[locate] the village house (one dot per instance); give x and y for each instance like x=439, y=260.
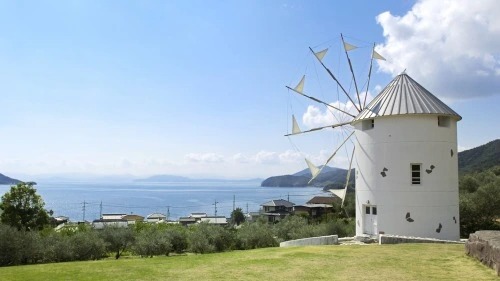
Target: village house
x=317, y=206
x=276, y=210
x=156, y=217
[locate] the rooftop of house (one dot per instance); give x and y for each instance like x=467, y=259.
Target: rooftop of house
x=279, y=202
x=156, y=216
x=324, y=200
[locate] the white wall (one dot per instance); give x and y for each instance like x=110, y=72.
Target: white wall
x=394, y=143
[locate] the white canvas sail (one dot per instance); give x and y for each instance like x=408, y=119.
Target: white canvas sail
x=300, y=87
x=295, y=126
x=348, y=47
x=339, y=193
x=377, y=56
x=321, y=54
x=314, y=170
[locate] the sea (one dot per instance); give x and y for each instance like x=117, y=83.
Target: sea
x=88, y=200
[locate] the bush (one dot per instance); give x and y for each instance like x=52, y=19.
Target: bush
x=255, y=235
x=207, y=238
x=87, y=245
x=10, y=246
x=153, y=241
x=117, y=239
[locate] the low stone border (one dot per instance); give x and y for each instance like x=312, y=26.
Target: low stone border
x=485, y=246
x=321, y=240
x=396, y=239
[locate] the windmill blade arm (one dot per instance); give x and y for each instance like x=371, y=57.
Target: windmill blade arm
x=330, y=158
x=348, y=177
x=319, y=128
x=322, y=102
x=337, y=81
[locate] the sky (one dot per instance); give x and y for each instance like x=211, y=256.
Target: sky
x=197, y=88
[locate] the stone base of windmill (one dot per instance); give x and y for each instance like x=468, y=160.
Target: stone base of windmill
x=398, y=239
x=484, y=245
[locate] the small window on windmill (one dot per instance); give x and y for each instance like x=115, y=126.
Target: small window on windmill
x=368, y=124
x=443, y=121
x=415, y=173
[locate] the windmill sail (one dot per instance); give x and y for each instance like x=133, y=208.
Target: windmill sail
x=339, y=193
x=300, y=87
x=314, y=170
x=330, y=158
x=377, y=56
x=348, y=47
x=321, y=54
x=295, y=126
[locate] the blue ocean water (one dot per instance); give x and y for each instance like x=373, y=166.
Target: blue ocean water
x=179, y=199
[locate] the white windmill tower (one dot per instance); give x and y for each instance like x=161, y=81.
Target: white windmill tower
x=405, y=144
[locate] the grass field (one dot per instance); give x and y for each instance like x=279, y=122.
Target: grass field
x=354, y=262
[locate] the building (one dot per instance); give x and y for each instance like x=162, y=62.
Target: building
x=317, y=206
x=407, y=168
x=220, y=220
x=156, y=217
x=132, y=219
x=276, y=210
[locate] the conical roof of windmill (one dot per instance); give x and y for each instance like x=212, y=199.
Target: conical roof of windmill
x=404, y=96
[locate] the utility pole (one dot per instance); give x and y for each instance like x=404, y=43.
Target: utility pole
x=234, y=201
x=100, y=210
x=168, y=212
x=288, y=199
x=215, y=204
x=83, y=209
x=247, y=207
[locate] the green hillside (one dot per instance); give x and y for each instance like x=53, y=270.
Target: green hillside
x=480, y=158
x=368, y=262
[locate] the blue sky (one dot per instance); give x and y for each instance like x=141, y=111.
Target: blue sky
x=196, y=88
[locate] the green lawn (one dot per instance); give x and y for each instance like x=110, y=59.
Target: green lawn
x=371, y=262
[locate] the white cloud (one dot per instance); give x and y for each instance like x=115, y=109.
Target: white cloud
x=451, y=47
x=204, y=157
x=241, y=158
x=291, y=156
x=266, y=157
x=315, y=117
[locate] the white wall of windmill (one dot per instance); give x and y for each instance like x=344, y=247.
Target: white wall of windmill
x=391, y=147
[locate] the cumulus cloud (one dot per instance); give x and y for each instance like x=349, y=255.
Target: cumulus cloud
x=241, y=158
x=204, y=157
x=291, y=156
x=315, y=117
x=451, y=47
x=266, y=157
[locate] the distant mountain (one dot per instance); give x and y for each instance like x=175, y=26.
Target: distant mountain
x=6, y=180
x=331, y=177
x=480, y=158
x=180, y=179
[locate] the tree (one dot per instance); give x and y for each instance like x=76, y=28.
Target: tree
x=23, y=208
x=237, y=216
x=117, y=239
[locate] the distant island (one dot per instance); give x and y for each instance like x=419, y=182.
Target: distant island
x=4, y=180
x=180, y=179
x=330, y=178
x=476, y=159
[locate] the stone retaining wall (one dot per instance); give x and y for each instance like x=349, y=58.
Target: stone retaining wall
x=321, y=240
x=485, y=246
x=395, y=239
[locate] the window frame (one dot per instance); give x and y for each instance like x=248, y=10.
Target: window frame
x=416, y=179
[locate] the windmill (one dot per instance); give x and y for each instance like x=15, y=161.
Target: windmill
x=358, y=104
x=405, y=144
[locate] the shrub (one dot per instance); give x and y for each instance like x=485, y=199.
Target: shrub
x=207, y=238
x=153, y=241
x=255, y=235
